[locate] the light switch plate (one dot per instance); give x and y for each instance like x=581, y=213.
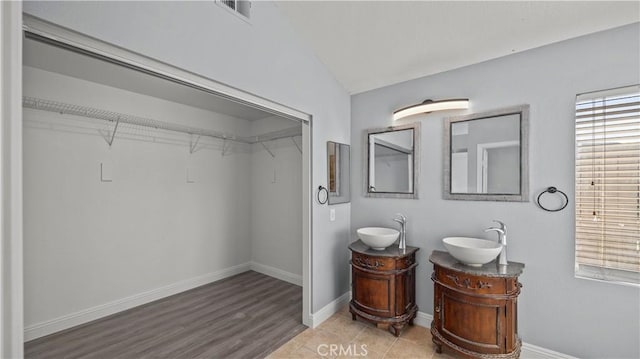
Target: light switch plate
x=106, y=171
x=332, y=214
x=192, y=175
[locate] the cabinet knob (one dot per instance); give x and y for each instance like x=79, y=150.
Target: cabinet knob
x=438, y=309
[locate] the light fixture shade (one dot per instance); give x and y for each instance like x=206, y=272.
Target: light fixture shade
x=430, y=106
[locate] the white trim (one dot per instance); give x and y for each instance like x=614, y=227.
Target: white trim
x=423, y=319
x=528, y=351
x=11, y=258
x=276, y=273
x=307, y=223
x=87, y=43
x=330, y=309
x=86, y=315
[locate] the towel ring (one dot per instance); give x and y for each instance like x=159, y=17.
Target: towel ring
x=326, y=197
x=553, y=190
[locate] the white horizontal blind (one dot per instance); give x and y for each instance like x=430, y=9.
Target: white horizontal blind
x=608, y=185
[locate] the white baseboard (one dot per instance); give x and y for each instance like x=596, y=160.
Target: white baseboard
x=423, y=319
x=84, y=316
x=330, y=309
x=528, y=351
x=276, y=273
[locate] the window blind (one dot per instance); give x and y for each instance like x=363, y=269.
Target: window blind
x=608, y=185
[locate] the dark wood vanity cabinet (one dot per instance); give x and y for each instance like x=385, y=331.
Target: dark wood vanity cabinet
x=383, y=285
x=475, y=309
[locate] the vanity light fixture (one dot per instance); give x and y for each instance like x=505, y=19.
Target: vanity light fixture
x=429, y=106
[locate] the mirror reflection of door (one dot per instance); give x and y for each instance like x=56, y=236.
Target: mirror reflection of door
x=391, y=161
x=496, y=162
x=485, y=155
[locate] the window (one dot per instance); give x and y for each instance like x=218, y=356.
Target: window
x=608, y=185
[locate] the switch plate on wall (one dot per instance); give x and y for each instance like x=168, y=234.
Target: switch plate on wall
x=106, y=171
x=332, y=214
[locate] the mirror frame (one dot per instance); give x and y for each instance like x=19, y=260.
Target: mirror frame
x=523, y=196
x=346, y=197
x=416, y=161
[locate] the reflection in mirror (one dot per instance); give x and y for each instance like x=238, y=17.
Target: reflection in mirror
x=338, y=159
x=391, y=162
x=486, y=156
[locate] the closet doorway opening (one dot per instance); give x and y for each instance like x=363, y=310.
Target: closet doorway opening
x=148, y=185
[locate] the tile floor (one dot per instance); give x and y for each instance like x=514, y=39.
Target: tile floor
x=414, y=342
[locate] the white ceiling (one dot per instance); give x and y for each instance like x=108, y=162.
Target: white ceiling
x=55, y=59
x=371, y=44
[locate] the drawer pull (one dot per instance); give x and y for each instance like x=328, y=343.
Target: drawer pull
x=367, y=263
x=466, y=283
x=438, y=309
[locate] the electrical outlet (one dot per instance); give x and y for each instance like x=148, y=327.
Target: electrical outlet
x=332, y=214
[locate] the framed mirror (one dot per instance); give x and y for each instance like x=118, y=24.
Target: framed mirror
x=486, y=156
x=392, y=165
x=338, y=167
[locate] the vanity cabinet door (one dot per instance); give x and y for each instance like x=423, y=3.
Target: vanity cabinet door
x=470, y=322
x=373, y=293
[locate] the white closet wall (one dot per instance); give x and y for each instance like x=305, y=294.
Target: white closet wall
x=89, y=244
x=276, y=197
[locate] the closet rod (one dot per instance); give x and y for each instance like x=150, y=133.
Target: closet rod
x=111, y=116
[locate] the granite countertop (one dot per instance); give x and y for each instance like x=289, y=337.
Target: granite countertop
x=491, y=269
x=391, y=251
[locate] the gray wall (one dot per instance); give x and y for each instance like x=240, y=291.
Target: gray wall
x=556, y=311
x=264, y=57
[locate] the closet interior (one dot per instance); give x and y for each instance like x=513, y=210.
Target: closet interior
x=136, y=186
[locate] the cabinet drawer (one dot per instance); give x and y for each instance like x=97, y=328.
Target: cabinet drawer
x=406, y=262
x=372, y=262
x=470, y=283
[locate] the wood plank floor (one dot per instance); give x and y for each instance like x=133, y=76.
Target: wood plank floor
x=245, y=316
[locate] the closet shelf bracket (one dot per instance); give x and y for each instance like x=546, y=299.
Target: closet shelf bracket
x=194, y=144
x=225, y=146
x=267, y=149
x=296, y=143
x=113, y=133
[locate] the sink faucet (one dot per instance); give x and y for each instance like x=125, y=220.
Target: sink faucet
x=502, y=239
x=402, y=245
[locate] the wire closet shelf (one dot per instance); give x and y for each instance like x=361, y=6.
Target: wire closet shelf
x=116, y=118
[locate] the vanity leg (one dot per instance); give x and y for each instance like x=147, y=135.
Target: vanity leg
x=438, y=345
x=395, y=329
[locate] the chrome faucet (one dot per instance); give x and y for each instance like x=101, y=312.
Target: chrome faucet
x=402, y=245
x=502, y=239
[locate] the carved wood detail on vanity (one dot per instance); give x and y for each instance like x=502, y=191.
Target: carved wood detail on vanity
x=466, y=283
x=367, y=262
x=383, y=285
x=475, y=308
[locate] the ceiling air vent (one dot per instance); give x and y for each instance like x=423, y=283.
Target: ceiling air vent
x=240, y=7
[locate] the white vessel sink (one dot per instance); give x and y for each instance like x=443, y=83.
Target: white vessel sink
x=472, y=251
x=378, y=238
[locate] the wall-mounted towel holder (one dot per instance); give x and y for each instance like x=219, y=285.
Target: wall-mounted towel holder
x=553, y=190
